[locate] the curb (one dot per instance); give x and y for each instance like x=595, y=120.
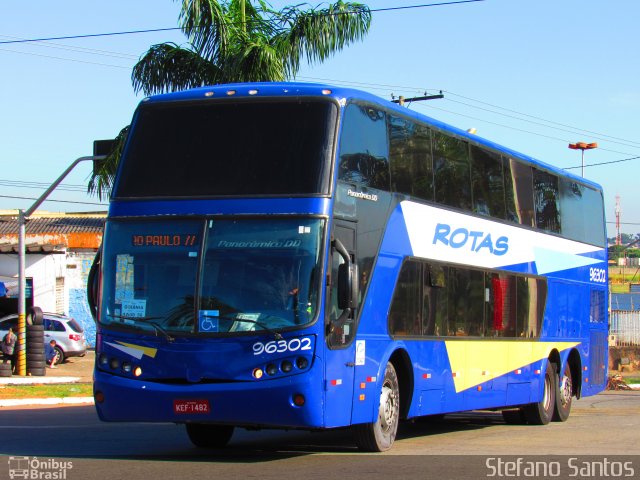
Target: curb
x=46, y=401
x=17, y=380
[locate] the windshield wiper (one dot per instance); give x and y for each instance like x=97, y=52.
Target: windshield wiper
x=275, y=334
x=145, y=321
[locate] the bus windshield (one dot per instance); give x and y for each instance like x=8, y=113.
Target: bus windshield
x=229, y=149
x=255, y=274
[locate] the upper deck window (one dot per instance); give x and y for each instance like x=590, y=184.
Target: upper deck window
x=222, y=148
x=364, y=149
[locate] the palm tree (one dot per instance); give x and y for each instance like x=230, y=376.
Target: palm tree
x=240, y=41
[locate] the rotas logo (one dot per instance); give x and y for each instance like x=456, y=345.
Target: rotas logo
x=472, y=240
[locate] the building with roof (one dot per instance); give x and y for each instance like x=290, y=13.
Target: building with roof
x=60, y=248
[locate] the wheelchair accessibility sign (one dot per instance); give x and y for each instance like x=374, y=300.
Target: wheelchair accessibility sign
x=208, y=321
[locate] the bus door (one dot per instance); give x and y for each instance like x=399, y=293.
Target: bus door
x=340, y=326
x=596, y=371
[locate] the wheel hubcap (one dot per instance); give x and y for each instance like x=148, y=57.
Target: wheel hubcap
x=388, y=408
x=565, y=391
x=546, y=400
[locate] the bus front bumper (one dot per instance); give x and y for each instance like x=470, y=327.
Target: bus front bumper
x=267, y=403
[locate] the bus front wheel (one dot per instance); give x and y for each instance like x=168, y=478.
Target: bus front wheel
x=209, y=436
x=380, y=435
x=541, y=413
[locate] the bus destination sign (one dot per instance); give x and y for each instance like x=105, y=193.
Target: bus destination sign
x=175, y=240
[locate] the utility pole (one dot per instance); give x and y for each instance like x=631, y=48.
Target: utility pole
x=23, y=215
x=402, y=100
x=582, y=146
x=618, y=215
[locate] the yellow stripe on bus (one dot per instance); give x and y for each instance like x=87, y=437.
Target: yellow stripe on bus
x=477, y=361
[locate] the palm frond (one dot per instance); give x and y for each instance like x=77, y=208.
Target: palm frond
x=167, y=67
x=257, y=61
x=101, y=181
x=206, y=25
x=319, y=33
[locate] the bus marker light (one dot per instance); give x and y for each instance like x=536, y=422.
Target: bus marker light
x=104, y=360
x=126, y=367
x=371, y=379
x=271, y=369
x=257, y=373
x=518, y=372
x=253, y=92
x=485, y=373
x=326, y=92
x=114, y=363
x=208, y=94
x=362, y=397
x=137, y=371
x=98, y=396
x=336, y=382
x=286, y=366
x=363, y=385
x=586, y=380
x=537, y=372
x=479, y=388
x=231, y=92
x=455, y=374
x=302, y=363
x=586, y=368
x=426, y=376
x=298, y=400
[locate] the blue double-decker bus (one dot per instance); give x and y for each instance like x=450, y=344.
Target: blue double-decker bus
x=301, y=256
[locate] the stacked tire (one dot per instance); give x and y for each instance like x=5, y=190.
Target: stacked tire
x=36, y=361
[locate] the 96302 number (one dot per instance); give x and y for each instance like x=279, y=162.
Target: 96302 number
x=281, y=346
x=598, y=275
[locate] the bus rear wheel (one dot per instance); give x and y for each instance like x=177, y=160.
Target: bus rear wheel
x=380, y=435
x=209, y=436
x=541, y=413
x=564, y=394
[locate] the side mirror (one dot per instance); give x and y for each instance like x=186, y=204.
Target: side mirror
x=93, y=285
x=347, y=279
x=347, y=285
x=102, y=149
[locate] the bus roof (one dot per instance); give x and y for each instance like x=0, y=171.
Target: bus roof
x=342, y=95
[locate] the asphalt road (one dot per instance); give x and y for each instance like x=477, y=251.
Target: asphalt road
x=603, y=427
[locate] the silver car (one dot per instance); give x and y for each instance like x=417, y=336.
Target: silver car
x=68, y=334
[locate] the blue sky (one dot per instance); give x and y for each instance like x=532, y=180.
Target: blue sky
x=533, y=75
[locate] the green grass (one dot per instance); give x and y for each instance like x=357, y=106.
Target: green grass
x=632, y=380
x=46, y=391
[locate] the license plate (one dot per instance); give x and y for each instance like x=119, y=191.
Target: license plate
x=191, y=406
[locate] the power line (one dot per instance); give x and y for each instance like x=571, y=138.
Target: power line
x=89, y=35
x=155, y=30
x=41, y=185
x=386, y=87
x=573, y=130
x=52, y=200
x=73, y=48
x=604, y=163
x=539, y=118
x=62, y=58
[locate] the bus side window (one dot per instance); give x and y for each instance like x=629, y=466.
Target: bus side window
x=364, y=148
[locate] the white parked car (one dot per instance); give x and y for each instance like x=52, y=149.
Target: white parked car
x=68, y=334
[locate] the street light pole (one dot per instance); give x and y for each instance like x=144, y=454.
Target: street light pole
x=21, y=357
x=582, y=146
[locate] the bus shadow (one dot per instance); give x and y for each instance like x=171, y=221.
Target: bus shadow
x=90, y=439
x=450, y=423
